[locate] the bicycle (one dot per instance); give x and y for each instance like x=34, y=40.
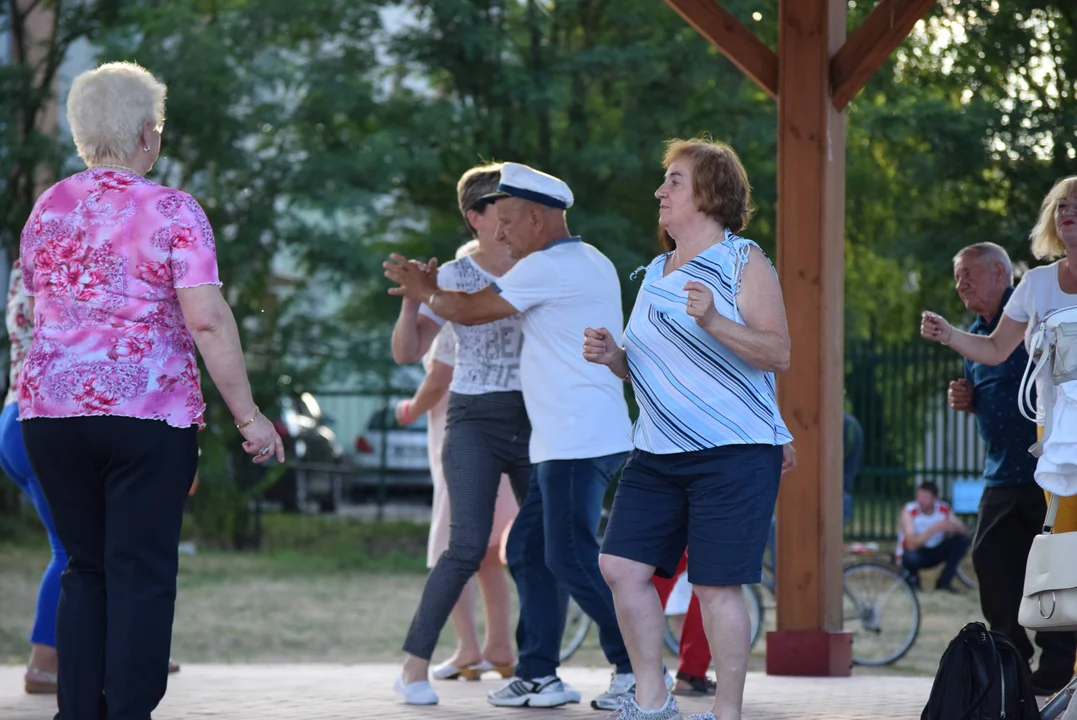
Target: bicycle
x=879, y=607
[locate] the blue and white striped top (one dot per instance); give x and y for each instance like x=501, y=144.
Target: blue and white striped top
x=693, y=392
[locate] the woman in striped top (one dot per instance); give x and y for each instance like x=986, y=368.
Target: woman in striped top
x=704, y=340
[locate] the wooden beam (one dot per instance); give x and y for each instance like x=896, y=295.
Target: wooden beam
x=754, y=58
x=810, y=220
x=871, y=44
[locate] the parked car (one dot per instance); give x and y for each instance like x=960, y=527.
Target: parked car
x=391, y=454
x=319, y=472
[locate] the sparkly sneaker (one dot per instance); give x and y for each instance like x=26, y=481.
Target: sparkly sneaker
x=704, y=716
x=630, y=710
x=546, y=692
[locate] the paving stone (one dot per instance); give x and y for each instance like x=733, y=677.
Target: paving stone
x=354, y=692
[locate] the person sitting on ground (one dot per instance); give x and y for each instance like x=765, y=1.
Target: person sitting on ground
x=930, y=536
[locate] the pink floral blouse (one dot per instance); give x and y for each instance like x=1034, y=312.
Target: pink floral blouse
x=102, y=254
x=19, y=330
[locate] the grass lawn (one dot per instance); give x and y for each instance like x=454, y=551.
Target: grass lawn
x=329, y=590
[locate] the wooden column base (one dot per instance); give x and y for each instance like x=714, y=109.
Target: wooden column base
x=809, y=653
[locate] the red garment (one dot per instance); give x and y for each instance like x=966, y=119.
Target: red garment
x=695, y=650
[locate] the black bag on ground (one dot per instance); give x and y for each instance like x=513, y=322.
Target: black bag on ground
x=981, y=676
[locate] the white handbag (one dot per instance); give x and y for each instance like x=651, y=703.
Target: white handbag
x=1049, y=600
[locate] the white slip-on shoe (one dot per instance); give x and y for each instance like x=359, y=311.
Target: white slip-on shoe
x=416, y=693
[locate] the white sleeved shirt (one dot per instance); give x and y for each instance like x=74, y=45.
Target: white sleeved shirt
x=487, y=356
x=1037, y=295
x=577, y=409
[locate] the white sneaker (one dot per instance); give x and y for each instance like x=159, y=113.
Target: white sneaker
x=416, y=693
x=572, y=695
x=545, y=692
x=623, y=685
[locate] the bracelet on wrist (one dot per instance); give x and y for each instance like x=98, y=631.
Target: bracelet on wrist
x=254, y=416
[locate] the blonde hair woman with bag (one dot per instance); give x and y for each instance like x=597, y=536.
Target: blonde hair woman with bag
x=1041, y=291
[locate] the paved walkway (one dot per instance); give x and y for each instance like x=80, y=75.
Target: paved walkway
x=324, y=692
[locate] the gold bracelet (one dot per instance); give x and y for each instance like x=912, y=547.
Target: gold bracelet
x=430, y=300
x=249, y=422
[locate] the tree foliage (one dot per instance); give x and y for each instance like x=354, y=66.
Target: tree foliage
x=320, y=136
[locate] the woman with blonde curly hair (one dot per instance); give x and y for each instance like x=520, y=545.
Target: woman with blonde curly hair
x=1041, y=291
x=122, y=285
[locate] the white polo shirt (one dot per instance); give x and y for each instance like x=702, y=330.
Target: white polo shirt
x=577, y=409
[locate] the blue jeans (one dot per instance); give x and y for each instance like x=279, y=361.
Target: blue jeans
x=16, y=466
x=553, y=547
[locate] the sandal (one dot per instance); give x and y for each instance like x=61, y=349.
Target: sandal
x=698, y=686
x=39, y=682
x=448, y=671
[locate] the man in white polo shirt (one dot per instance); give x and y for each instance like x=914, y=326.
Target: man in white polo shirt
x=580, y=426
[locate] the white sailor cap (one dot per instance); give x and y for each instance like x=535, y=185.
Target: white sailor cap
x=527, y=183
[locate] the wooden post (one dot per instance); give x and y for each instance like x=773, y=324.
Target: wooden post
x=811, y=205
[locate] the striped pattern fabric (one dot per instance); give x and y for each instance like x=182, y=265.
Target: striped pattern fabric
x=693, y=392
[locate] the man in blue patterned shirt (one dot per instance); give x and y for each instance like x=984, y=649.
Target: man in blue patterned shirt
x=1013, y=507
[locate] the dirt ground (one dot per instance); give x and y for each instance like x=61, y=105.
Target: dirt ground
x=251, y=608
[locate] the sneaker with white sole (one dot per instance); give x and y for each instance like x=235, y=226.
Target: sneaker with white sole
x=545, y=692
x=572, y=695
x=623, y=685
x=416, y=693
x=632, y=711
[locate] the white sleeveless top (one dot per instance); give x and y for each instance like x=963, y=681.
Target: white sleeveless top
x=693, y=392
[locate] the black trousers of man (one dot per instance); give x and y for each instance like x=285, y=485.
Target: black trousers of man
x=1010, y=518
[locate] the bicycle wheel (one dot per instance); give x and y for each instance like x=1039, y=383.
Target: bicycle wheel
x=577, y=623
x=756, y=614
x=966, y=572
x=881, y=611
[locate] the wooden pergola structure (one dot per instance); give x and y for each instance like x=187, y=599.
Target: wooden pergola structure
x=813, y=75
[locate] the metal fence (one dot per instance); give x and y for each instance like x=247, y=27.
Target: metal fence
x=897, y=392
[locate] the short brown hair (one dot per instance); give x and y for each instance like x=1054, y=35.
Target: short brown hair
x=1046, y=245
x=473, y=185
x=719, y=182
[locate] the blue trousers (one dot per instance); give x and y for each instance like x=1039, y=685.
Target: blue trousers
x=553, y=547
x=16, y=466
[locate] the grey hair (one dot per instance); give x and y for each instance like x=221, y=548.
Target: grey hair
x=108, y=107
x=988, y=251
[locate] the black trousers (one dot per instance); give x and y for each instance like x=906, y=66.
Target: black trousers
x=116, y=487
x=1010, y=517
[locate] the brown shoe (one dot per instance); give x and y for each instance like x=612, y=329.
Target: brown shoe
x=173, y=667
x=697, y=686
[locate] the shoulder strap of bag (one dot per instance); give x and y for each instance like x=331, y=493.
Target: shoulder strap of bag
x=1028, y=379
x=985, y=675
x=1052, y=513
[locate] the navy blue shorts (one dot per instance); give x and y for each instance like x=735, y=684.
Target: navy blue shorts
x=717, y=502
